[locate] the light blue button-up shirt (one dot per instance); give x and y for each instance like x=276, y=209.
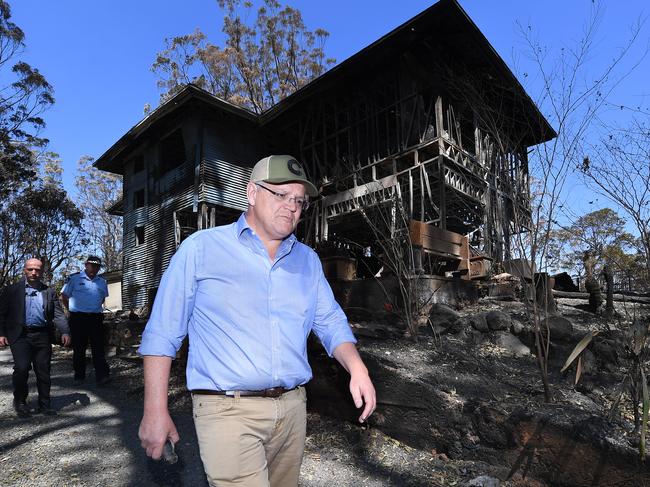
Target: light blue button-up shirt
x=248, y=318
x=34, y=314
x=86, y=295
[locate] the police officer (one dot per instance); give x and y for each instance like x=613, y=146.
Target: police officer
x=83, y=295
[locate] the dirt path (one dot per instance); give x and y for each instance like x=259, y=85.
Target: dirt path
x=93, y=439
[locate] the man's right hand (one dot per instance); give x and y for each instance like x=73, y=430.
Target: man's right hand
x=4, y=342
x=154, y=431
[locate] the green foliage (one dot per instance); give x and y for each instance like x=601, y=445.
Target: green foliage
x=51, y=225
x=261, y=62
x=602, y=234
x=24, y=95
x=36, y=219
x=39, y=221
x=97, y=191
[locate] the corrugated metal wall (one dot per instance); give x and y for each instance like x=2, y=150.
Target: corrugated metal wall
x=224, y=184
x=229, y=152
x=230, y=149
x=165, y=193
x=144, y=264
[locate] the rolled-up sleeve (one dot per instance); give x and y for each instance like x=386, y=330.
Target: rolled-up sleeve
x=173, y=306
x=67, y=287
x=330, y=323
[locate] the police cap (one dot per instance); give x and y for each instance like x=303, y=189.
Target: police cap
x=93, y=259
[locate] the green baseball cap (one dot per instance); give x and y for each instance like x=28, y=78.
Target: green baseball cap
x=280, y=170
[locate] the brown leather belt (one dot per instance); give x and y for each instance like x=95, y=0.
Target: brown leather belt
x=273, y=392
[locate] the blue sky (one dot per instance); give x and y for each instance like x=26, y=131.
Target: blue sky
x=97, y=54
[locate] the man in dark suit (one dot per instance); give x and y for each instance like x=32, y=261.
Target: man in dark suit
x=29, y=311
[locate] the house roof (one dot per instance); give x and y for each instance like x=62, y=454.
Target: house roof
x=117, y=208
x=454, y=32
x=109, y=160
x=112, y=276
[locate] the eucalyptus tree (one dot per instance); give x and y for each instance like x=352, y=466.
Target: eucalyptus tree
x=24, y=95
x=260, y=62
x=96, y=192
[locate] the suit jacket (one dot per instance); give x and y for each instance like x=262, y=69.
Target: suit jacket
x=12, y=311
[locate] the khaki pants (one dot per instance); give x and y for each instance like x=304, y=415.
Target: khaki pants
x=251, y=441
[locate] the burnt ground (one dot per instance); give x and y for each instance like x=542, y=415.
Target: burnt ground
x=456, y=408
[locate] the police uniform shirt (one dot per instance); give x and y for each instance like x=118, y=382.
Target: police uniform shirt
x=86, y=295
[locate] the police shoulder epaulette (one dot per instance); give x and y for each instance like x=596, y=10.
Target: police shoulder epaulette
x=73, y=274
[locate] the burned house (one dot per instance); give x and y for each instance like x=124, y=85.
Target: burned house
x=427, y=125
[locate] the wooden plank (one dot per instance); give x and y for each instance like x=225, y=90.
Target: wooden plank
x=436, y=240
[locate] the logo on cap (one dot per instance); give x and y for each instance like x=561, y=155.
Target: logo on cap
x=93, y=259
x=294, y=167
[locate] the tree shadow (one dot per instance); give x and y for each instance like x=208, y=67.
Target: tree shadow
x=94, y=436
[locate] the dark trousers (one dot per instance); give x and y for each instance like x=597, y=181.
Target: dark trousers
x=32, y=349
x=86, y=327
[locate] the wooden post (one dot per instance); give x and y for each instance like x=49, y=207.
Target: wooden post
x=442, y=194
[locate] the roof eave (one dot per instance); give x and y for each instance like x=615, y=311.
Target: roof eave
x=107, y=161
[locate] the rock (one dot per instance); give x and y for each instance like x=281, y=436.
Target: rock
x=559, y=352
x=442, y=315
x=512, y=344
x=498, y=320
x=439, y=330
x=561, y=328
x=375, y=330
x=624, y=338
x=585, y=386
x=517, y=328
x=484, y=481
x=462, y=324
x=478, y=322
x=469, y=334
x=589, y=365
x=606, y=351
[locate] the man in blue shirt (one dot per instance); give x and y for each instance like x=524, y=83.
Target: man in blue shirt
x=29, y=311
x=83, y=295
x=248, y=294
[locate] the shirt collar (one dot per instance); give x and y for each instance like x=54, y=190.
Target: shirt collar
x=37, y=287
x=85, y=276
x=242, y=225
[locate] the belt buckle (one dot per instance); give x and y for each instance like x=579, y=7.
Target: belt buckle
x=274, y=392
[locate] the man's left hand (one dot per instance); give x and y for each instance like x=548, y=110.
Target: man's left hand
x=65, y=340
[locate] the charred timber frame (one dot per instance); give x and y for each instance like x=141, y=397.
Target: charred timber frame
x=365, y=146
